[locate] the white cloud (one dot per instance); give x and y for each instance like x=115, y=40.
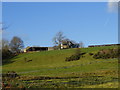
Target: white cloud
x=113, y=5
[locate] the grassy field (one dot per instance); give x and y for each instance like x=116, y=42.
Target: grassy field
x=48, y=69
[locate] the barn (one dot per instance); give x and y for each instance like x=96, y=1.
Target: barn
x=28, y=49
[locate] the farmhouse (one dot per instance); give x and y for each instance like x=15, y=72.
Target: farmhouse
x=69, y=44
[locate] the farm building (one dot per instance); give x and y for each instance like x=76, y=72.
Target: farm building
x=103, y=45
x=36, y=49
x=28, y=49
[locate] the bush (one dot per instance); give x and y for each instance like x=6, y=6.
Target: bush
x=6, y=54
x=91, y=54
x=106, y=54
x=75, y=56
x=72, y=58
x=10, y=74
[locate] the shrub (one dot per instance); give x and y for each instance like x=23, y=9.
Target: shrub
x=72, y=58
x=106, y=54
x=10, y=74
x=78, y=54
x=6, y=54
x=91, y=54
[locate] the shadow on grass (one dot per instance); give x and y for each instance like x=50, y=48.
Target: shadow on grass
x=9, y=60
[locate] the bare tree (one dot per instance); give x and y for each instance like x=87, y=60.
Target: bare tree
x=5, y=43
x=81, y=45
x=59, y=37
x=16, y=44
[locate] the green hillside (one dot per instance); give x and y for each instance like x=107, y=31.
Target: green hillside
x=86, y=72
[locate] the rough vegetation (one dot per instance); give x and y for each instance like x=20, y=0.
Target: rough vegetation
x=78, y=54
x=107, y=53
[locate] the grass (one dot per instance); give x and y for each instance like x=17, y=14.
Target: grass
x=52, y=64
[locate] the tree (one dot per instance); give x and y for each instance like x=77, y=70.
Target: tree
x=6, y=53
x=59, y=37
x=5, y=44
x=81, y=45
x=16, y=44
